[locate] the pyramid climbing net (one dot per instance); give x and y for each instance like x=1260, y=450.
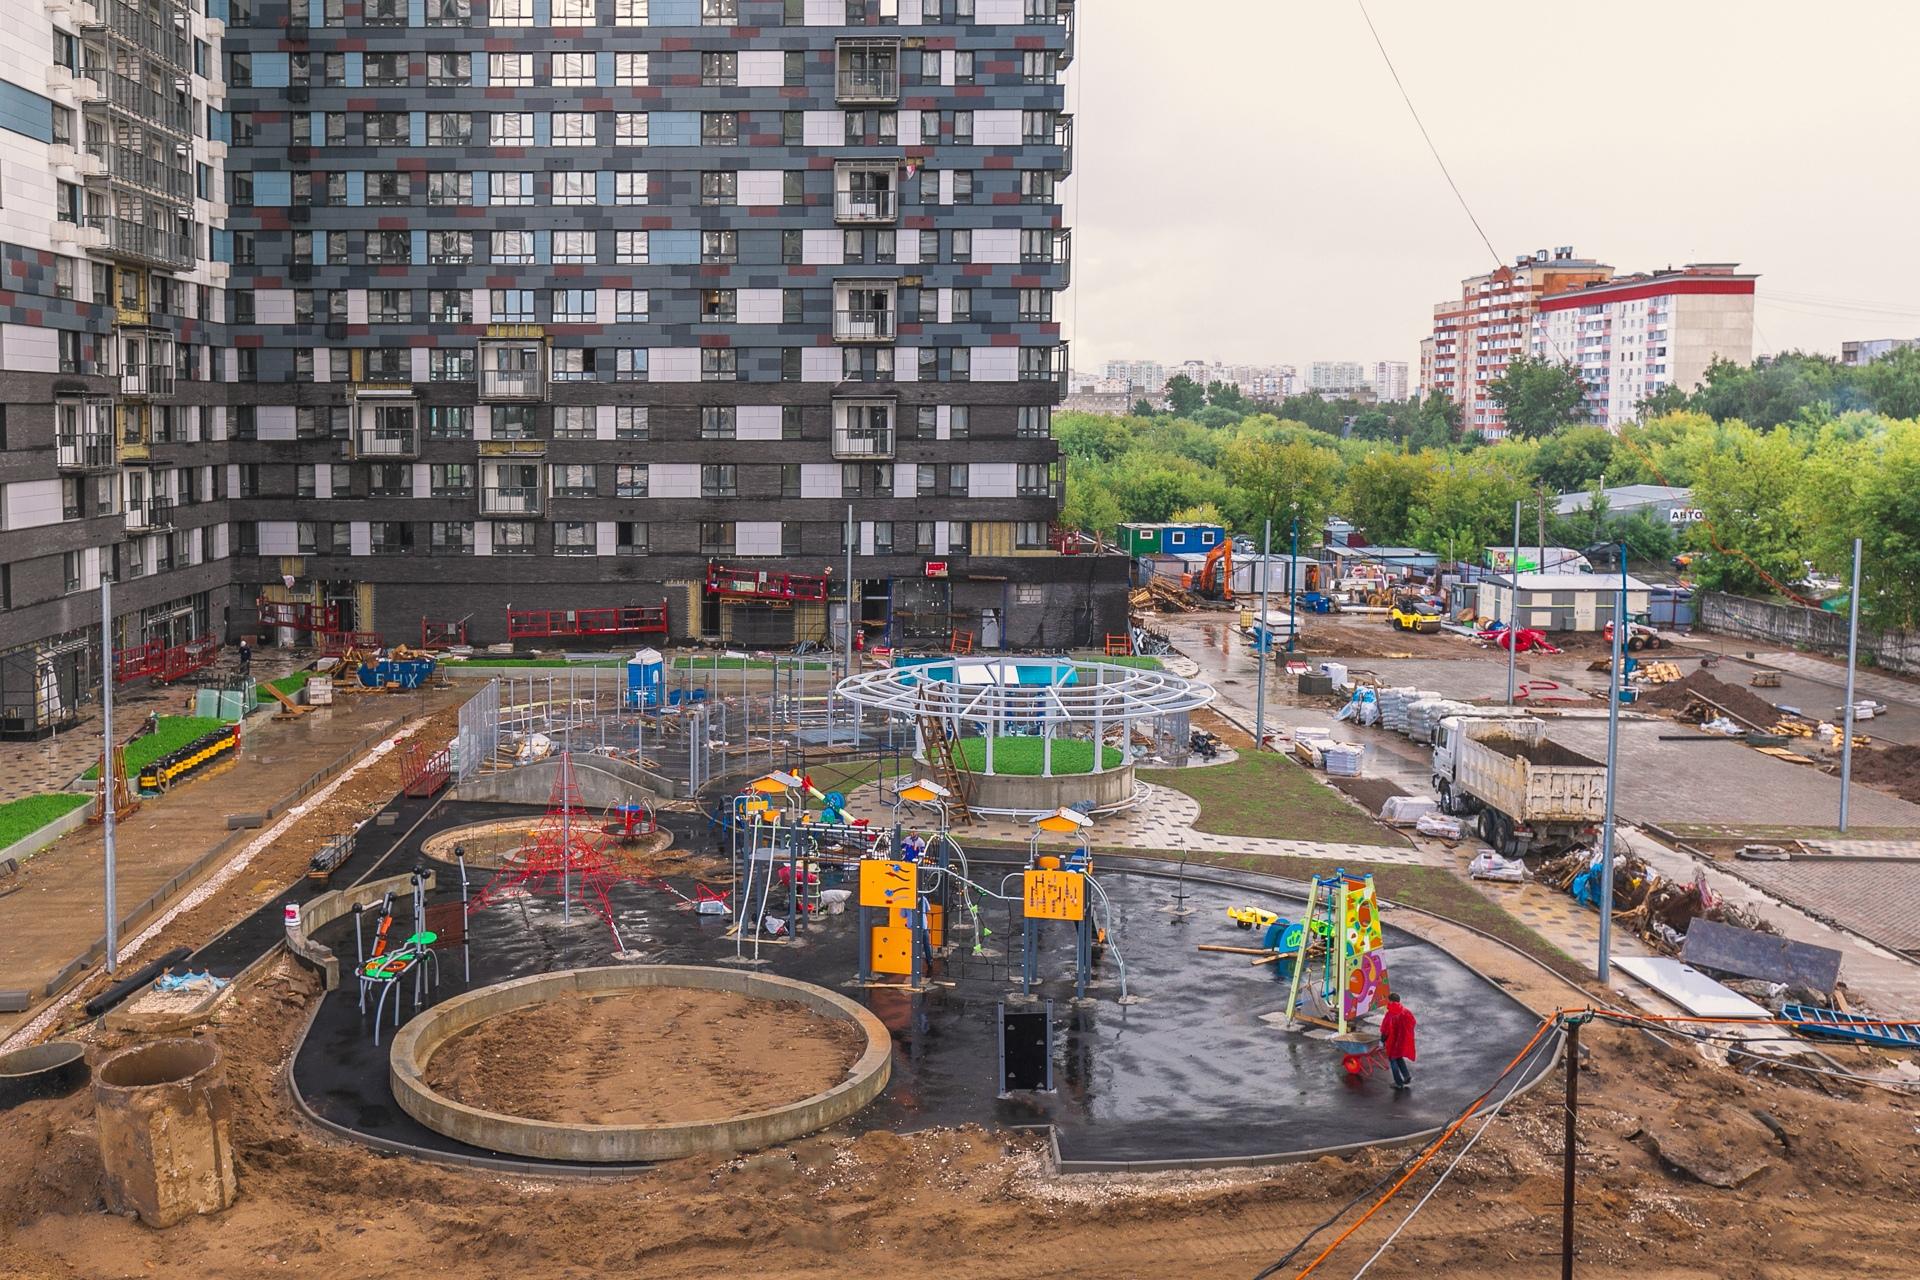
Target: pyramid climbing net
x=565, y=857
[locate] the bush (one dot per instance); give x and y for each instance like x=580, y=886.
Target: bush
x=1022, y=756
x=172, y=733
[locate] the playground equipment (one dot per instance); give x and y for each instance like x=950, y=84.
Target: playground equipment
x=387, y=965
x=1341, y=929
x=1056, y=889
x=631, y=820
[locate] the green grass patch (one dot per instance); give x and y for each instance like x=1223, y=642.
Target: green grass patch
x=1141, y=661
x=1270, y=796
x=21, y=818
x=172, y=733
x=289, y=685
x=693, y=662
x=1022, y=756
x=531, y=662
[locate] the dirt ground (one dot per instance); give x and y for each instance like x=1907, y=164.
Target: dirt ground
x=1731, y=697
x=1895, y=769
x=1686, y=1170
x=602, y=1061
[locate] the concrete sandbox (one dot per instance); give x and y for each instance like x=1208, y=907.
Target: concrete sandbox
x=628, y=1144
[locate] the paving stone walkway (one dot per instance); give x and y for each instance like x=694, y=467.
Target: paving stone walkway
x=1164, y=820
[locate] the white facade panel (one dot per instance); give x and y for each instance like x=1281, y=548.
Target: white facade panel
x=993, y=13
x=819, y=364
x=825, y=128
x=273, y=306
x=275, y=422
x=822, y=246
x=819, y=479
x=757, y=422
x=359, y=538
x=759, y=306
x=603, y=422
x=674, y=364
x=996, y=244
x=356, y=306
x=996, y=364
x=673, y=480
x=762, y=69
x=756, y=538
x=280, y=538
x=996, y=128
x=29, y=348
x=31, y=504
x=760, y=187
x=604, y=532
x=993, y=480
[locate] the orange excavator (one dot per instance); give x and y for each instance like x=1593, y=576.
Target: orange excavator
x=1215, y=579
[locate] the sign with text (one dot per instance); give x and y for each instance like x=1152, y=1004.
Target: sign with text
x=1056, y=895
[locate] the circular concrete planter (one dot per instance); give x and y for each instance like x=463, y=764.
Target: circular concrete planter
x=629, y=1144
x=1024, y=793
x=51, y=1070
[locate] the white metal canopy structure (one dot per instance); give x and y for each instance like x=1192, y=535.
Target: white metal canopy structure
x=1045, y=698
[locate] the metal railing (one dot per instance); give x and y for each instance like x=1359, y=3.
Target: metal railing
x=84, y=453
x=138, y=240
x=512, y=500
x=871, y=85
x=510, y=384
x=166, y=42
x=146, y=171
x=865, y=206
x=160, y=513
x=377, y=442
x=850, y=443
x=151, y=105
x=863, y=325
x=147, y=380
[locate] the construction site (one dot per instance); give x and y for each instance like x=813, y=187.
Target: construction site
x=429, y=961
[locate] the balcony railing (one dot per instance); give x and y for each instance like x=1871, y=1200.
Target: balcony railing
x=145, y=171
x=511, y=500
x=865, y=206
x=386, y=442
x=138, y=240
x=873, y=84
x=1063, y=139
x=84, y=453
x=510, y=384
x=853, y=444
x=863, y=325
x=152, y=106
x=169, y=43
x=160, y=513
x=147, y=380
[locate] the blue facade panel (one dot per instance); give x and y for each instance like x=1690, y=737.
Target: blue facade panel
x=219, y=125
x=416, y=128
x=542, y=129
x=673, y=128
x=543, y=245
x=481, y=186
x=356, y=187
x=603, y=67
x=356, y=69
x=270, y=70
x=25, y=112
x=542, y=13
x=603, y=187
x=675, y=13
x=416, y=13
x=678, y=247
x=273, y=190
x=419, y=245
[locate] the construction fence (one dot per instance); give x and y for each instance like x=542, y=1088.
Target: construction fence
x=1796, y=627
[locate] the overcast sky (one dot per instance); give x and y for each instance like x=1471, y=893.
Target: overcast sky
x=1249, y=185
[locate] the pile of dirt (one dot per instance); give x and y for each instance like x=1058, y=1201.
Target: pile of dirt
x=1730, y=697
x=658, y=1055
x=1894, y=768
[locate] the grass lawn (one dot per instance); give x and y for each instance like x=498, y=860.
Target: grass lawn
x=458, y=665
x=1021, y=756
x=1269, y=795
x=289, y=685
x=693, y=662
x=173, y=733
x=21, y=818
x=1142, y=661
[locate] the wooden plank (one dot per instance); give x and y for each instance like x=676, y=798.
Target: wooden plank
x=1235, y=951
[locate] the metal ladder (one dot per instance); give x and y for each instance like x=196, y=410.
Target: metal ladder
x=949, y=766
x=1813, y=1020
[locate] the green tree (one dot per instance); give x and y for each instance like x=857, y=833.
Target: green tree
x=1383, y=489
x=1374, y=425
x=1746, y=491
x=1227, y=396
x=1574, y=458
x=1537, y=396
x=1094, y=436
x=1184, y=396
x=1216, y=416
x=1282, y=482
x=1202, y=513
x=1143, y=408
x=1892, y=383
x=1090, y=503
x=1467, y=507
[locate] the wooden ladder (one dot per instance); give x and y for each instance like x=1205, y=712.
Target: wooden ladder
x=949, y=766
x=113, y=783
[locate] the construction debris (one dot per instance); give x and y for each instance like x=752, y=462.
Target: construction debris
x=1157, y=594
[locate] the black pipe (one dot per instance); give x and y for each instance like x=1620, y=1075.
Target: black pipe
x=119, y=991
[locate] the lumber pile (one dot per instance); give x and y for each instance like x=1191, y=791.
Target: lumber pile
x=1163, y=596
x=1657, y=673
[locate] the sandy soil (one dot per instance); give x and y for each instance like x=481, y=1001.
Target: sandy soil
x=1686, y=1170
x=603, y=1061
x=1895, y=769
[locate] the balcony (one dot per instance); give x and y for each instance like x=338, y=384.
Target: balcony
x=160, y=513
x=1063, y=139
x=138, y=240
x=387, y=439
x=147, y=380
x=84, y=453
x=166, y=41
x=865, y=206
x=512, y=500
x=867, y=71
x=512, y=370
x=863, y=430
x=151, y=105
x=148, y=172
x=863, y=324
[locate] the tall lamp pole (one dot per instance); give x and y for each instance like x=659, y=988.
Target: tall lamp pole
x=1263, y=636
x=107, y=788
x=1613, y=757
x=1513, y=601
x=1293, y=579
x=1853, y=649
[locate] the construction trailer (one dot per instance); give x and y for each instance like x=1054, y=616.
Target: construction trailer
x=1559, y=601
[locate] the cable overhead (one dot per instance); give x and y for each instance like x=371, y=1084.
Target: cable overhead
x=1421, y=125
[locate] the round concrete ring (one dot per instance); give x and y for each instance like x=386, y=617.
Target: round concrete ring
x=630, y=1144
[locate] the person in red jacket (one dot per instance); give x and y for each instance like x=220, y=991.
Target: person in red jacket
x=1396, y=1036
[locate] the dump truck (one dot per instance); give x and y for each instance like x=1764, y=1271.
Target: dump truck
x=1532, y=795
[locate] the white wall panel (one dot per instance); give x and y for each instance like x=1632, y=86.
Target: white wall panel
x=761, y=187
x=757, y=422
x=756, y=538
x=673, y=480
x=30, y=348
x=996, y=364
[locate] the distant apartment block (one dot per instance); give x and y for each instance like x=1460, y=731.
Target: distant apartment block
x=1337, y=376
x=1633, y=336
x=1390, y=380
x=1489, y=323
x=1867, y=350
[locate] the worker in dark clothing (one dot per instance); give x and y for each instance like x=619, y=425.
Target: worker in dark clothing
x=1396, y=1036
x=246, y=657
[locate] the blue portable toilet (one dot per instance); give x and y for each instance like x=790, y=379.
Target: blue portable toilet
x=646, y=677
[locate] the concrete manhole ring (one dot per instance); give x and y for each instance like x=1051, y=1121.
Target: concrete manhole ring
x=630, y=1144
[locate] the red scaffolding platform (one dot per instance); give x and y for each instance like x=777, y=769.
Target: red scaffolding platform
x=297, y=615
x=546, y=624
x=336, y=644
x=763, y=584
x=142, y=660
x=185, y=659
x=436, y=633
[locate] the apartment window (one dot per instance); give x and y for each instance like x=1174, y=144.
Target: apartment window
x=507, y=129
x=574, y=188
x=957, y=422
x=960, y=364
x=450, y=538
x=573, y=129
x=963, y=186
x=449, y=306
x=1036, y=127
x=1030, y=535
x=513, y=537
x=790, y=364
x=790, y=480
x=333, y=129
x=449, y=422
x=573, y=422
x=630, y=422
x=510, y=13
x=718, y=306
x=511, y=188
x=1031, y=480
x=511, y=306
x=630, y=128
x=718, y=364
x=929, y=246
x=455, y=128
x=573, y=364
x=717, y=480
x=513, y=422
x=575, y=480
x=303, y=480
x=385, y=13
x=630, y=480
x=793, y=128
x=929, y=305
x=793, y=306
x=963, y=127
x=930, y=66
x=573, y=538
x=390, y=306
x=630, y=539
x=1036, y=186
x=573, y=69
x=719, y=13
x=240, y=306
x=449, y=68
x=449, y=188
x=629, y=305
x=1036, y=364
x=962, y=246
x=793, y=247
x=630, y=68
x=1036, y=245
x=719, y=128
x=385, y=70
x=719, y=188
x=962, y=306
x=719, y=246
x=450, y=364
x=573, y=306
x=575, y=247
x=629, y=13
x=882, y=537
x=630, y=188
x=716, y=537
x=513, y=246
x=630, y=364
x=719, y=68
x=450, y=479
x=1036, y=304
x=717, y=422
x=1035, y=423
x=389, y=188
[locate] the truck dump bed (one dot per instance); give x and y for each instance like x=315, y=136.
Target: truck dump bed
x=1529, y=777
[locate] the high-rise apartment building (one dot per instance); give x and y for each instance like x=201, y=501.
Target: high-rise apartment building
x=1866, y=350
x=1337, y=376
x=1390, y=380
x=1632, y=336
x=112, y=348
x=1147, y=375
x=425, y=308
x=1476, y=334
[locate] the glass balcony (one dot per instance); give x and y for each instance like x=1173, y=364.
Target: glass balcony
x=865, y=206
x=863, y=325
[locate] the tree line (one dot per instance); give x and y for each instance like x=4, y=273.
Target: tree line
x=1789, y=459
